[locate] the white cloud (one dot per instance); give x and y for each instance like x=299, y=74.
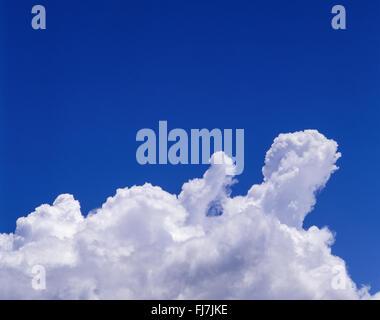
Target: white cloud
x=147, y=243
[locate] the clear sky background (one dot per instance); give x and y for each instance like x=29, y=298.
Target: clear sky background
x=73, y=97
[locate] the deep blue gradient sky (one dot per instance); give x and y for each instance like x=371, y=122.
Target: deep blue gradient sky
x=73, y=97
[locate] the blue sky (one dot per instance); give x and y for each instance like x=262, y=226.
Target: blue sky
x=73, y=97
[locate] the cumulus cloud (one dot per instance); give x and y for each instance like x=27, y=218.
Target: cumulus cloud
x=145, y=243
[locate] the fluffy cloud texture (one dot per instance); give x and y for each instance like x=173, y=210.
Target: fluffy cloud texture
x=145, y=243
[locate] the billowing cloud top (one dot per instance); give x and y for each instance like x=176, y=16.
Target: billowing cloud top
x=145, y=243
